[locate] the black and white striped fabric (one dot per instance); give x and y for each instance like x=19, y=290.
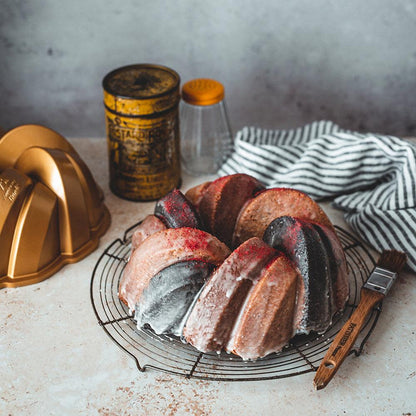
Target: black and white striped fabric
x=372, y=178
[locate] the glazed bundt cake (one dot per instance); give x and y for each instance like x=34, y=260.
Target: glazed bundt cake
x=236, y=267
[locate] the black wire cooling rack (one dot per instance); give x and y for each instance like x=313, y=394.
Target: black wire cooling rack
x=170, y=354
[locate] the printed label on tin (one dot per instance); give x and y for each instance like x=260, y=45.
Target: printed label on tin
x=144, y=159
x=141, y=151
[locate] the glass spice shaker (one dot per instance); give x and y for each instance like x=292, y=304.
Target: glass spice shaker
x=206, y=138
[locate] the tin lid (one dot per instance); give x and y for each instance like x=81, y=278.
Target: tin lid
x=141, y=89
x=203, y=91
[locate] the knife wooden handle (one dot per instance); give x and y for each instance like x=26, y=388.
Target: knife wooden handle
x=345, y=338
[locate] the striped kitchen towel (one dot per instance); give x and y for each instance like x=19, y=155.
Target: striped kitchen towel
x=371, y=177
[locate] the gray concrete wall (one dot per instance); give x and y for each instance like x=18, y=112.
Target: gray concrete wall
x=283, y=63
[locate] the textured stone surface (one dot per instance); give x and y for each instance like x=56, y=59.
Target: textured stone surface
x=282, y=63
x=57, y=360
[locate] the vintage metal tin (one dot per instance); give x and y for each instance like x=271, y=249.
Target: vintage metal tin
x=141, y=108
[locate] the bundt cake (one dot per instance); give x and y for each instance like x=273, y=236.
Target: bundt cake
x=286, y=275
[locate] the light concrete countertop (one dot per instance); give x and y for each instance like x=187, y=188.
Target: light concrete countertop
x=56, y=360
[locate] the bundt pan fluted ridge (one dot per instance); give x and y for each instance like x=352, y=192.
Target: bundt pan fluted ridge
x=51, y=209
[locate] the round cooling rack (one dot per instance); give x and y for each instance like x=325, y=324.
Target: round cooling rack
x=170, y=354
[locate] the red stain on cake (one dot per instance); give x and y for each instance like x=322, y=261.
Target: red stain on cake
x=163, y=249
x=176, y=211
x=179, y=210
x=194, y=245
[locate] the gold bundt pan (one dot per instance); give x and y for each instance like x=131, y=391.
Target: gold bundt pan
x=51, y=209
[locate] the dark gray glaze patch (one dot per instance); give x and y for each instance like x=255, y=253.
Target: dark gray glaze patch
x=176, y=211
x=303, y=245
x=165, y=302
